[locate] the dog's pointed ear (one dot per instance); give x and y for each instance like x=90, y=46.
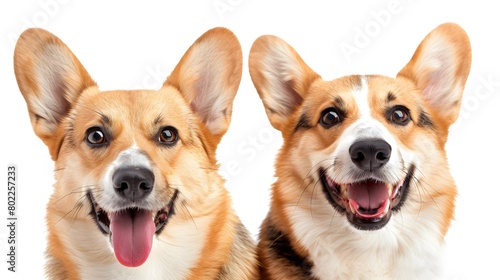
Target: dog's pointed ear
x=280, y=76
x=50, y=78
x=208, y=76
x=439, y=68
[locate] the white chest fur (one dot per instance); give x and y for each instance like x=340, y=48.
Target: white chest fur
x=408, y=247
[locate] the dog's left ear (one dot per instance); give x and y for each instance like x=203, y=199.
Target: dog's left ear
x=440, y=67
x=208, y=76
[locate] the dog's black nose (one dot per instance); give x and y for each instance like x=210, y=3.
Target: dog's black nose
x=133, y=183
x=370, y=154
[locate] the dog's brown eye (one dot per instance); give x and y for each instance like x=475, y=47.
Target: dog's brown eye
x=399, y=115
x=168, y=135
x=96, y=137
x=330, y=117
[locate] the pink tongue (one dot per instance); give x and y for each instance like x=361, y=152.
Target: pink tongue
x=368, y=194
x=132, y=234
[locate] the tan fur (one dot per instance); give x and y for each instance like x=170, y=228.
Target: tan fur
x=279, y=73
x=63, y=102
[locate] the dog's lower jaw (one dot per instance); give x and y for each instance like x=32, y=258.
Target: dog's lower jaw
x=131, y=230
x=102, y=219
x=391, y=199
x=77, y=250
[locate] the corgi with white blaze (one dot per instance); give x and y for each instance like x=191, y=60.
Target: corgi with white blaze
x=363, y=187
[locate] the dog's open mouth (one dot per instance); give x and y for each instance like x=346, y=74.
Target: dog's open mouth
x=368, y=204
x=131, y=230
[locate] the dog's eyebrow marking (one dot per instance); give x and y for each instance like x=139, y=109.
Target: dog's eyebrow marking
x=158, y=120
x=70, y=129
x=390, y=96
x=105, y=119
x=303, y=123
x=424, y=120
x=339, y=102
x=340, y=105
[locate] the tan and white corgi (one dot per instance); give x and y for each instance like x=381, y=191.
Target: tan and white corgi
x=363, y=187
x=137, y=192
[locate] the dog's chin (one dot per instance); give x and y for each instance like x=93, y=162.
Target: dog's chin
x=369, y=203
x=131, y=230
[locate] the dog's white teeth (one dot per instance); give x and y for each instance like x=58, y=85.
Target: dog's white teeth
x=390, y=189
x=395, y=191
x=104, y=226
x=352, y=208
x=343, y=189
x=386, y=210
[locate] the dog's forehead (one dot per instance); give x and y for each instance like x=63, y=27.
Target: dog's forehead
x=361, y=95
x=364, y=94
x=373, y=93
x=133, y=106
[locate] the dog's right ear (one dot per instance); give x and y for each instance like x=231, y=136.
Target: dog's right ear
x=50, y=79
x=280, y=76
x=208, y=77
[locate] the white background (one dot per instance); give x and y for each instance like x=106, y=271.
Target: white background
x=127, y=45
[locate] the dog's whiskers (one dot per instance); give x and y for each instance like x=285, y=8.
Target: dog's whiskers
x=189, y=213
x=318, y=181
x=76, y=209
x=313, y=170
x=158, y=237
x=74, y=191
x=210, y=168
x=79, y=204
x=424, y=186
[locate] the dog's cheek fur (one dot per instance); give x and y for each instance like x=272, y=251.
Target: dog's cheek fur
x=68, y=200
x=437, y=187
x=203, y=195
x=422, y=142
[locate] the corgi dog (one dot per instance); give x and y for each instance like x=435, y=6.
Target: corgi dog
x=363, y=187
x=137, y=192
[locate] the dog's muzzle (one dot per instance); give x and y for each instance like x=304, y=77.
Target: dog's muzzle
x=368, y=202
x=131, y=229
